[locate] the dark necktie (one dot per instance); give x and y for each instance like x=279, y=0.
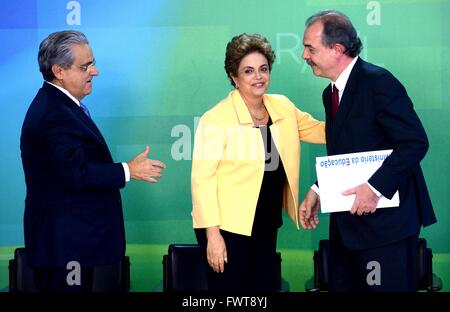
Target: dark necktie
x=85, y=109
x=334, y=101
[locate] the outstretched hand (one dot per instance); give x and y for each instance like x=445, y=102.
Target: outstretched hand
x=145, y=169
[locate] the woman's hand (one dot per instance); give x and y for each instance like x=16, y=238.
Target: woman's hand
x=216, y=251
x=309, y=211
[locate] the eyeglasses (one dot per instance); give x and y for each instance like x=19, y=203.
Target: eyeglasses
x=87, y=66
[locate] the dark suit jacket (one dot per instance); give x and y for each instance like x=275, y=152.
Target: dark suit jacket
x=375, y=113
x=73, y=209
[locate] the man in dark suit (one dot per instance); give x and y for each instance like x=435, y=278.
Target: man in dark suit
x=370, y=249
x=73, y=217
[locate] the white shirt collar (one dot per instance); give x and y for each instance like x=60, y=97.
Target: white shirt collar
x=65, y=92
x=341, y=81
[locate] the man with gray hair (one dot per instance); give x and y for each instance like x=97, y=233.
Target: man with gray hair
x=73, y=209
x=368, y=109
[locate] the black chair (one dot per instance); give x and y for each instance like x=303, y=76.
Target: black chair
x=428, y=281
x=21, y=276
x=184, y=269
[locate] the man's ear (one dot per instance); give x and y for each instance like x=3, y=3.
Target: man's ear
x=339, y=48
x=57, y=71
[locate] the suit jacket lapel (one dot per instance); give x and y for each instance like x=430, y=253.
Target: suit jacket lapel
x=88, y=122
x=346, y=102
x=245, y=118
x=85, y=120
x=277, y=124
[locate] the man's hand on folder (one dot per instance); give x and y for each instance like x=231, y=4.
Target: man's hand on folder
x=365, y=201
x=309, y=210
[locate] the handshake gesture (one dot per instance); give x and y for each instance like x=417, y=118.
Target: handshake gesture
x=145, y=169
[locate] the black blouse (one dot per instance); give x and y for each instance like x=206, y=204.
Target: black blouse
x=268, y=216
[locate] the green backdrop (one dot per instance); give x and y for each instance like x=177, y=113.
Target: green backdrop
x=161, y=67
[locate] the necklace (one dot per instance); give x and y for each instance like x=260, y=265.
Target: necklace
x=259, y=118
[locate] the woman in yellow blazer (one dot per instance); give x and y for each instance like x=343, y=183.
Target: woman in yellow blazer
x=245, y=168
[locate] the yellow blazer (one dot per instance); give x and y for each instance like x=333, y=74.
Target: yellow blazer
x=229, y=160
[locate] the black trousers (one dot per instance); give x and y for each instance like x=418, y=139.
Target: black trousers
x=251, y=262
x=386, y=268
x=89, y=279
x=61, y=280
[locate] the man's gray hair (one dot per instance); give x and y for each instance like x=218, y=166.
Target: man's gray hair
x=56, y=49
x=337, y=28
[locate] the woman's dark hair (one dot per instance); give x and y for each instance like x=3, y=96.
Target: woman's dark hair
x=242, y=45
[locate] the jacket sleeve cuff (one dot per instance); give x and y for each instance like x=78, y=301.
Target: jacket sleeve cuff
x=127, y=171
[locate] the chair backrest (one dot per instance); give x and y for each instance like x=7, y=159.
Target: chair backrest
x=426, y=279
x=112, y=278
x=184, y=268
x=425, y=276
x=321, y=264
x=21, y=275
x=423, y=264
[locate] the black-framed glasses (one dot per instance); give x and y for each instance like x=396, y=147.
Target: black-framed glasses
x=87, y=66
